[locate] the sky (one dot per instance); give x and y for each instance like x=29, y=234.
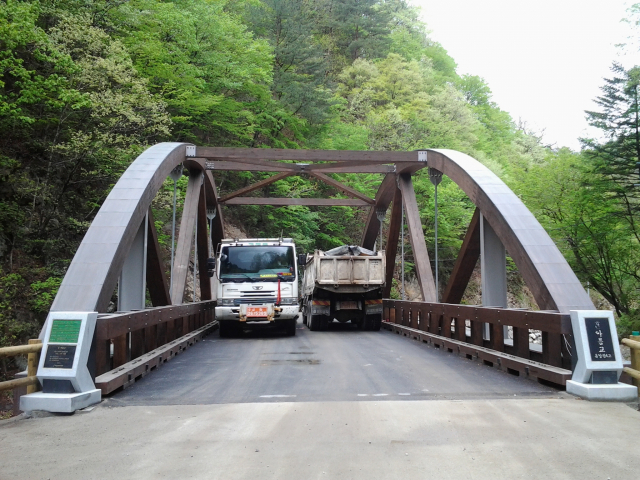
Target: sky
x=544, y=60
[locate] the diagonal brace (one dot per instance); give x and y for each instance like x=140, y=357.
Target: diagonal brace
x=256, y=186
x=341, y=186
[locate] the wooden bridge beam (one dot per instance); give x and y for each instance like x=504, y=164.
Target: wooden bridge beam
x=334, y=167
x=185, y=237
x=246, y=154
x=385, y=194
x=307, y=202
x=416, y=236
x=465, y=263
x=256, y=186
x=341, y=186
x=202, y=241
x=391, y=248
x=156, y=279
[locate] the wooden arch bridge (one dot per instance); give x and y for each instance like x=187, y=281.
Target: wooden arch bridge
x=121, y=250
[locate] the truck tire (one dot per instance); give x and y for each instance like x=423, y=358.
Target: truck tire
x=372, y=322
x=225, y=329
x=230, y=329
x=325, y=321
x=291, y=327
x=313, y=322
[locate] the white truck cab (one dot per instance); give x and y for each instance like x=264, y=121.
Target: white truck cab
x=256, y=281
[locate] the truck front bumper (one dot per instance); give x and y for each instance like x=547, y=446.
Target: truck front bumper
x=233, y=313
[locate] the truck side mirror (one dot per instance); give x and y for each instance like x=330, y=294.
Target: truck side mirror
x=302, y=259
x=211, y=266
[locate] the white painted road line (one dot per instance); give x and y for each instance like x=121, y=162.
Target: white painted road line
x=277, y=396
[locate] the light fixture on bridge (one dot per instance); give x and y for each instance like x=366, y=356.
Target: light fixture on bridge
x=211, y=214
x=380, y=214
x=436, y=177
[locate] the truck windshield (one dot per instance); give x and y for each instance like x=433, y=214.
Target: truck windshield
x=257, y=263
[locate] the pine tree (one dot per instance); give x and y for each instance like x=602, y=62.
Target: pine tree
x=619, y=120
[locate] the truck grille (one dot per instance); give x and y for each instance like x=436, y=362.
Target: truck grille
x=254, y=300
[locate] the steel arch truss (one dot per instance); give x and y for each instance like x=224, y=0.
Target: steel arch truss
x=98, y=263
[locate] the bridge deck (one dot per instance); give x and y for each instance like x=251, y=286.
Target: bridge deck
x=465, y=420
x=342, y=364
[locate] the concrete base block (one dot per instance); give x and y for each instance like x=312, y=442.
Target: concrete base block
x=59, y=402
x=620, y=392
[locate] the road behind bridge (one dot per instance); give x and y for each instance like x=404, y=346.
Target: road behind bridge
x=327, y=405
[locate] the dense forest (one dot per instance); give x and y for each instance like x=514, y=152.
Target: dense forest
x=86, y=85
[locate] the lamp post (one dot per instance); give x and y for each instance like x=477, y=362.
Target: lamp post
x=402, y=249
x=380, y=213
x=436, y=177
x=211, y=214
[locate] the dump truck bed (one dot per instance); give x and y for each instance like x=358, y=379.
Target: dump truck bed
x=344, y=273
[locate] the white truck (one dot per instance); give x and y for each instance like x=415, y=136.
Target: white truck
x=344, y=284
x=256, y=283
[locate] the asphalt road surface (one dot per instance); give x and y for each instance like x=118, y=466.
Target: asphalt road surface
x=341, y=404
x=342, y=364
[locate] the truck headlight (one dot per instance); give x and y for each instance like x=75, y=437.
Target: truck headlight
x=226, y=301
x=288, y=301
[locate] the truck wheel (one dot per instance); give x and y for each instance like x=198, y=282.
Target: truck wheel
x=377, y=323
x=291, y=327
x=313, y=323
x=225, y=329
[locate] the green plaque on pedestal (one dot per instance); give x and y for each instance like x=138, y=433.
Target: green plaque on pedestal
x=65, y=331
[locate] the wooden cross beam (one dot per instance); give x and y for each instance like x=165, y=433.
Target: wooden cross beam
x=334, y=167
x=307, y=202
x=384, y=196
x=255, y=186
x=465, y=263
x=340, y=186
x=246, y=154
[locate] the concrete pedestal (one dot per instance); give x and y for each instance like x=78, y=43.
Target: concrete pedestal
x=620, y=392
x=59, y=402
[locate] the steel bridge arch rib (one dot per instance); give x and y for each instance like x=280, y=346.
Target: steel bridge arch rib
x=543, y=267
x=93, y=273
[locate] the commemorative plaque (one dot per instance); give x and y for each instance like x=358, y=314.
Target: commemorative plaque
x=65, y=331
x=62, y=371
x=599, y=337
x=598, y=367
x=60, y=356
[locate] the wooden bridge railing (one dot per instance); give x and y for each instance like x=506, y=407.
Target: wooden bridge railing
x=29, y=383
x=140, y=337
x=449, y=321
x=633, y=342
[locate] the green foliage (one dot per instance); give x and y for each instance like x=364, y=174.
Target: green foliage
x=86, y=85
x=44, y=293
x=628, y=323
x=588, y=223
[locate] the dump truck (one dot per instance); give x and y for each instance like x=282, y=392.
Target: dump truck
x=256, y=284
x=343, y=284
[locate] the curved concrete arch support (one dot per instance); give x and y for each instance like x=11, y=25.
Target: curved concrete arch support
x=542, y=265
x=98, y=262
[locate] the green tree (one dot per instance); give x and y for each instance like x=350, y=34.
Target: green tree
x=618, y=119
x=299, y=67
